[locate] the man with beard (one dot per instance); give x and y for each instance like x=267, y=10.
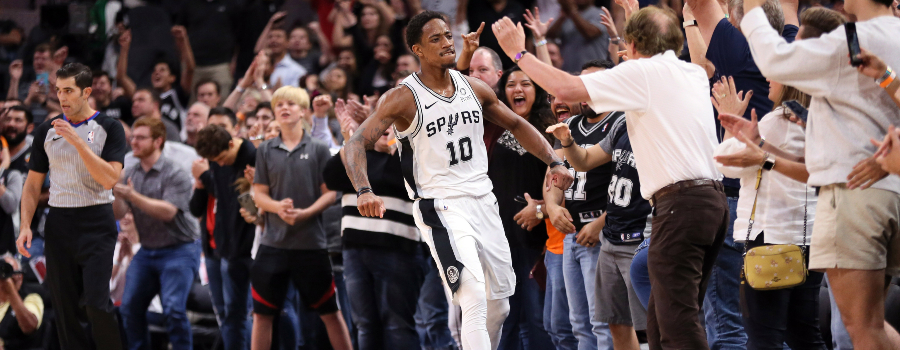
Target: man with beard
x=157, y=191
x=119, y=108
x=197, y=116
x=580, y=218
x=16, y=127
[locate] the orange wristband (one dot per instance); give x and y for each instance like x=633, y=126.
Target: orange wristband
x=887, y=82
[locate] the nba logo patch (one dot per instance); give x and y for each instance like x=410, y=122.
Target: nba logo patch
x=90, y=138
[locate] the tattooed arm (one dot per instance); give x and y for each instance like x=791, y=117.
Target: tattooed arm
x=397, y=106
x=529, y=137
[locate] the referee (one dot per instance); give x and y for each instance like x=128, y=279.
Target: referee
x=83, y=150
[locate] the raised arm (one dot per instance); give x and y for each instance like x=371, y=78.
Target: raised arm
x=125, y=82
x=398, y=104
x=187, y=56
x=15, y=75
x=471, y=42
x=697, y=45
x=539, y=32
x=529, y=137
x=587, y=29
x=263, y=39
x=708, y=13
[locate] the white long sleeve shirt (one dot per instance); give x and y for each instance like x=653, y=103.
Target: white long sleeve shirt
x=781, y=200
x=847, y=108
x=670, y=120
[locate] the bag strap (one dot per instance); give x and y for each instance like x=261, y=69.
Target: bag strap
x=752, y=219
x=753, y=211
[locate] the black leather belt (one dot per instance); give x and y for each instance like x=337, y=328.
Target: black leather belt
x=680, y=185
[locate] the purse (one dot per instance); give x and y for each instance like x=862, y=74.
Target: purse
x=771, y=267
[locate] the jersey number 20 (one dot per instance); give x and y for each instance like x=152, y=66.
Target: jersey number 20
x=465, y=150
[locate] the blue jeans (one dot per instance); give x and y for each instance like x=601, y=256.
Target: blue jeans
x=579, y=270
x=432, y=310
x=383, y=286
x=169, y=272
x=229, y=288
x=722, y=305
x=640, y=275
x=556, y=305
x=524, y=327
x=840, y=339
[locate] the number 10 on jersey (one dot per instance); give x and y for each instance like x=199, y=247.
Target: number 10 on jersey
x=465, y=150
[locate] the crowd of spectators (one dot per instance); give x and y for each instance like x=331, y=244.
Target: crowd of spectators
x=238, y=224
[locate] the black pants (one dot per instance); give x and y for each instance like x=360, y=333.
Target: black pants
x=790, y=315
x=689, y=227
x=79, y=245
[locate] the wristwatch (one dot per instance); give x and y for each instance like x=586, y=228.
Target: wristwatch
x=539, y=214
x=615, y=41
x=769, y=163
x=686, y=24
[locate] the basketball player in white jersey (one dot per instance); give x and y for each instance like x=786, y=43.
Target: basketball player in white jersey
x=438, y=115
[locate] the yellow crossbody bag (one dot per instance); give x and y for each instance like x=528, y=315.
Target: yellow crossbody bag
x=771, y=267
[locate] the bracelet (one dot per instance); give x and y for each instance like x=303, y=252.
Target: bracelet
x=762, y=141
x=520, y=55
x=540, y=43
x=363, y=190
x=240, y=89
x=615, y=41
x=887, y=82
x=570, y=145
x=555, y=163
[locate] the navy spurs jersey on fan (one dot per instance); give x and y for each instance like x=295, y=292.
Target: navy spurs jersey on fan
x=586, y=197
x=627, y=212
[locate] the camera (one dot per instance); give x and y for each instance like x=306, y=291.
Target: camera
x=6, y=270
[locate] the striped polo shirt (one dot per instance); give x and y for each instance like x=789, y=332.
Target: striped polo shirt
x=71, y=185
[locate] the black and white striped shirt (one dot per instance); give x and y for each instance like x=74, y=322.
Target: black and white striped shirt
x=397, y=230
x=71, y=186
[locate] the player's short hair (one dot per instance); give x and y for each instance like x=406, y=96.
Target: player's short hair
x=205, y=81
x=154, y=96
x=226, y=112
x=82, y=74
x=495, y=58
x=291, y=93
x=28, y=115
x=605, y=64
x=414, y=28
x=654, y=31
x=212, y=140
x=816, y=21
x=157, y=128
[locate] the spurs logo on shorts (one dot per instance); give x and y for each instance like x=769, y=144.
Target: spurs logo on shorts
x=452, y=274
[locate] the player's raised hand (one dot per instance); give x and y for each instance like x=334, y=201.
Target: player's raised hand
x=561, y=132
x=511, y=36
x=471, y=41
x=560, y=177
x=370, y=205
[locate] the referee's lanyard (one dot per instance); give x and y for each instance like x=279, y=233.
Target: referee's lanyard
x=75, y=125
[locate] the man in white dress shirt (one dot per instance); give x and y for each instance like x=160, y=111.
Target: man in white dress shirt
x=672, y=130
x=857, y=237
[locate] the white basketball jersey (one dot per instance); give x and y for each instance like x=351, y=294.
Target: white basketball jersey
x=442, y=153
